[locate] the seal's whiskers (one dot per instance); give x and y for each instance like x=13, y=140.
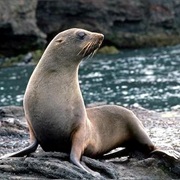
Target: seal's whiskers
x=83, y=49
x=88, y=48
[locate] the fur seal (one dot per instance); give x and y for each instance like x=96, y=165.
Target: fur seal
x=55, y=110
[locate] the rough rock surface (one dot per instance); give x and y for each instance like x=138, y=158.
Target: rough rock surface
x=125, y=24
x=18, y=30
x=56, y=165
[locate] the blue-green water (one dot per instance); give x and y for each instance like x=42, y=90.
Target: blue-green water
x=149, y=78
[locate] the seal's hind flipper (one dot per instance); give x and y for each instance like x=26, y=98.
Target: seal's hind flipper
x=163, y=153
x=119, y=153
x=168, y=160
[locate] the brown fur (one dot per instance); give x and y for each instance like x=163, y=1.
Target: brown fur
x=55, y=110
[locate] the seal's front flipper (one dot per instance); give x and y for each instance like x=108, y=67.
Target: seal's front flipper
x=33, y=146
x=77, y=150
x=75, y=159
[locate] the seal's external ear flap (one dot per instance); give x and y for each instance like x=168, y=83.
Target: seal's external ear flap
x=59, y=41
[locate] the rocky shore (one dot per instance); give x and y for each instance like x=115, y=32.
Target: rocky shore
x=163, y=128
x=28, y=25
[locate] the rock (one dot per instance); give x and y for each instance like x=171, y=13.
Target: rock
x=18, y=29
x=108, y=50
x=56, y=165
x=125, y=24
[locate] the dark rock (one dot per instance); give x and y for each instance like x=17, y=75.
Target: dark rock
x=56, y=165
x=18, y=29
x=125, y=24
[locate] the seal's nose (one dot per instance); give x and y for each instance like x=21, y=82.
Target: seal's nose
x=100, y=38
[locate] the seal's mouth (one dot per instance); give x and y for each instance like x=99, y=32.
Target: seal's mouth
x=91, y=47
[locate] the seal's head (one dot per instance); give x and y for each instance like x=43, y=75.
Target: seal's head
x=73, y=45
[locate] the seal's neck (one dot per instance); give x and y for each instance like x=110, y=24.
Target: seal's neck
x=61, y=79
x=61, y=74
x=61, y=85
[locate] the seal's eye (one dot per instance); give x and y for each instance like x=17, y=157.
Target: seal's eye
x=81, y=35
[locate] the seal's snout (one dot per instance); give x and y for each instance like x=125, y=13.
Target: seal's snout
x=100, y=38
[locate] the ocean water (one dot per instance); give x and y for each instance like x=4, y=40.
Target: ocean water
x=149, y=78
